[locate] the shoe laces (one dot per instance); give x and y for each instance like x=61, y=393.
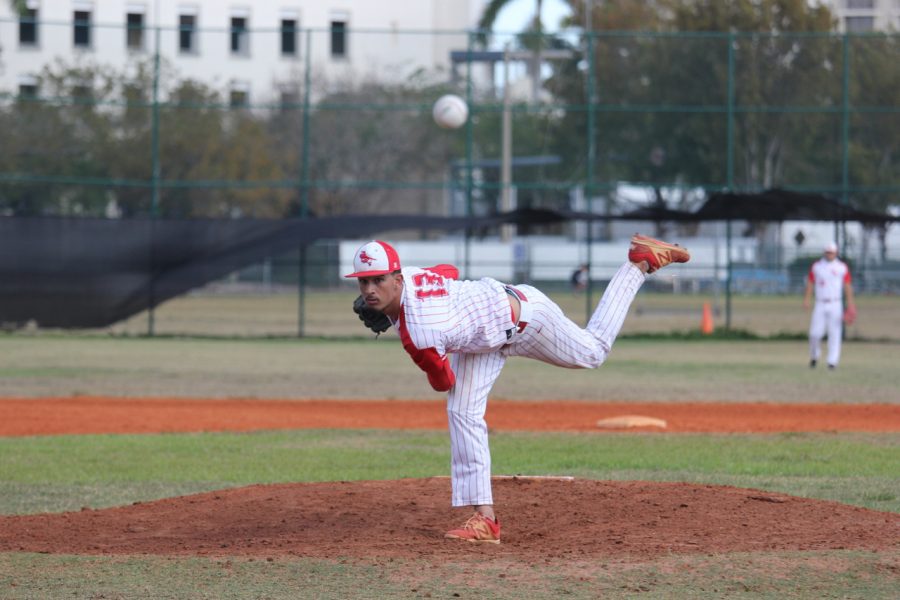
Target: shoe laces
x=480, y=524
x=473, y=522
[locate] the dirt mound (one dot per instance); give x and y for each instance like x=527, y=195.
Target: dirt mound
x=541, y=520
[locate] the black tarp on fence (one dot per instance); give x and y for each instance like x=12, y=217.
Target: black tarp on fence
x=86, y=272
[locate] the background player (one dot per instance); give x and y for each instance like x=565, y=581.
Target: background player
x=830, y=277
x=461, y=333
x=579, y=279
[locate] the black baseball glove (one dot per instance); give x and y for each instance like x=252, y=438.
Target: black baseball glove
x=375, y=320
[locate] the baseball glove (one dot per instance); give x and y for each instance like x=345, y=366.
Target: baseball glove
x=371, y=318
x=850, y=315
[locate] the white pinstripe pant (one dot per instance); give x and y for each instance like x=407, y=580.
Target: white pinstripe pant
x=550, y=337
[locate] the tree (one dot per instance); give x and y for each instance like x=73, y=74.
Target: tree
x=57, y=141
x=374, y=144
x=93, y=127
x=663, y=91
x=223, y=157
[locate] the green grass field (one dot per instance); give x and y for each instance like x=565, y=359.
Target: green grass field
x=61, y=473
x=58, y=473
x=327, y=313
x=639, y=370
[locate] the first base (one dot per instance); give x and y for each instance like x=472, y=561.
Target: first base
x=629, y=421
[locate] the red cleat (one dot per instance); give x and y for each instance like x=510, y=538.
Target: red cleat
x=478, y=529
x=658, y=254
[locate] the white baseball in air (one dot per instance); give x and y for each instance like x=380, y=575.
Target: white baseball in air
x=450, y=111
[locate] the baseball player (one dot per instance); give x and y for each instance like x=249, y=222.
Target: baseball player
x=460, y=333
x=830, y=278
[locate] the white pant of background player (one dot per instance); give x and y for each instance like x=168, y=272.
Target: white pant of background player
x=827, y=318
x=550, y=337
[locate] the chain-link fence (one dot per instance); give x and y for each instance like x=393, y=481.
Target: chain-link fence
x=286, y=122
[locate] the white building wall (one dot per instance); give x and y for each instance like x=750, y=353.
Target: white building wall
x=387, y=40
x=884, y=14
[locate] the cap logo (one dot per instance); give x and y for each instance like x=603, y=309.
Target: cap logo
x=363, y=257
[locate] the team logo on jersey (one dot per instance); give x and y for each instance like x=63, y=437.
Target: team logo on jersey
x=429, y=285
x=363, y=257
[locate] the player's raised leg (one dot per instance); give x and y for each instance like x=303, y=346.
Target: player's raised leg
x=554, y=338
x=609, y=316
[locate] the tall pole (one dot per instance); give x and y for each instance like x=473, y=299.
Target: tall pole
x=506, y=231
x=845, y=129
x=304, y=191
x=591, y=159
x=469, y=162
x=155, y=177
x=729, y=176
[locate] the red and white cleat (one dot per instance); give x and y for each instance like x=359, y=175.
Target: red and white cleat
x=657, y=253
x=478, y=529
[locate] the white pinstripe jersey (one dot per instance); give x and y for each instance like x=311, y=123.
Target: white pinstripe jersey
x=454, y=316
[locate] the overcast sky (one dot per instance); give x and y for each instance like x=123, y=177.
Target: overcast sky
x=516, y=15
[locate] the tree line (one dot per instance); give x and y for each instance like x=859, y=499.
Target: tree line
x=675, y=95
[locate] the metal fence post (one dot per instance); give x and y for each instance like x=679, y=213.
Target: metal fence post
x=589, y=174
x=304, y=189
x=729, y=176
x=469, y=162
x=845, y=130
x=154, y=202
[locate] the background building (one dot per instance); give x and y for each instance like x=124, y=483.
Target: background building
x=250, y=48
x=866, y=15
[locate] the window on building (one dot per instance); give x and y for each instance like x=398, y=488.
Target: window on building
x=28, y=27
x=28, y=87
x=134, y=36
x=289, y=37
x=338, y=36
x=240, y=39
x=82, y=28
x=239, y=96
x=860, y=4
x=290, y=99
x=187, y=33
x=859, y=24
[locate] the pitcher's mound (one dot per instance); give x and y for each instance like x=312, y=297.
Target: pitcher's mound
x=541, y=518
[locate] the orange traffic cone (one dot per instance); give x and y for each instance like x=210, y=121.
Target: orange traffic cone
x=706, y=325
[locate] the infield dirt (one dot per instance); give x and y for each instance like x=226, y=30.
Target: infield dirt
x=545, y=520
x=542, y=520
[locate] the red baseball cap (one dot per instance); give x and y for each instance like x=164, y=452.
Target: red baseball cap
x=375, y=258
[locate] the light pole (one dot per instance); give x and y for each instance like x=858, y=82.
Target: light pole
x=506, y=231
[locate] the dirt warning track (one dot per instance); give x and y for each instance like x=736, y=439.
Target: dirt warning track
x=88, y=414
